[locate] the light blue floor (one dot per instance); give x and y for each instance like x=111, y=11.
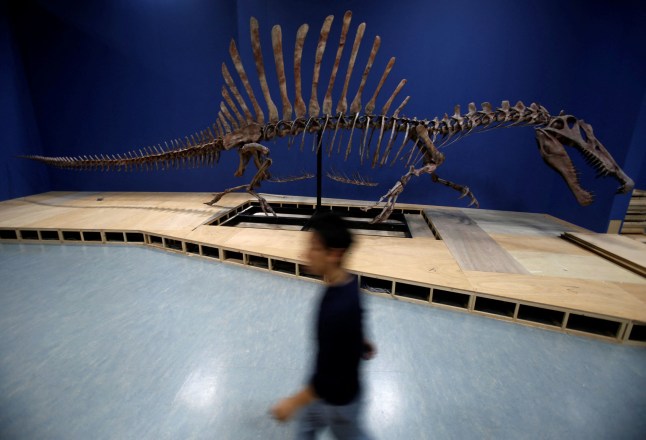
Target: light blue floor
x=132, y=343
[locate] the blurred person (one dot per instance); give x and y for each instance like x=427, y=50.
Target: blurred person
x=332, y=397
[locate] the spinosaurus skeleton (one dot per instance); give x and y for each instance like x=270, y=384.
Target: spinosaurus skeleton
x=237, y=128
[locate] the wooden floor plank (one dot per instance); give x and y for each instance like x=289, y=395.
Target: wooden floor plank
x=622, y=250
x=470, y=245
x=418, y=226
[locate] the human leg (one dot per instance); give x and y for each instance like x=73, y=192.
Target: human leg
x=311, y=420
x=345, y=421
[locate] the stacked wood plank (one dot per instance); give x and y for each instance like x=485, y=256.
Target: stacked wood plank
x=635, y=221
x=621, y=250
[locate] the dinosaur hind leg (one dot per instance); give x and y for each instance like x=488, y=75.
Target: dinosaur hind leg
x=259, y=153
x=464, y=190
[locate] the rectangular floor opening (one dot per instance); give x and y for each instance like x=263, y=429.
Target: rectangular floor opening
x=596, y=326
x=173, y=244
x=494, y=306
x=134, y=237
x=28, y=234
x=193, y=248
x=92, y=236
x=376, y=284
x=114, y=237
x=448, y=298
x=72, y=235
x=638, y=333
x=257, y=261
x=232, y=256
x=283, y=266
x=295, y=217
x=412, y=291
x=210, y=252
x=155, y=240
x=8, y=234
x=540, y=315
x=49, y=235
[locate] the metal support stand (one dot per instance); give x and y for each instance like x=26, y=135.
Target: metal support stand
x=319, y=171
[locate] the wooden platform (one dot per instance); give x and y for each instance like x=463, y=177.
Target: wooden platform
x=504, y=265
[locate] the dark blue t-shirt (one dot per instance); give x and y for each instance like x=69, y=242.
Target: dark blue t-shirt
x=339, y=332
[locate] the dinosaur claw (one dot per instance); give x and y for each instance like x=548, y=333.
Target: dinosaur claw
x=216, y=198
x=465, y=192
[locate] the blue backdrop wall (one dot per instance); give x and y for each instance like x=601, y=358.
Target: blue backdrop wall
x=111, y=76
x=18, y=129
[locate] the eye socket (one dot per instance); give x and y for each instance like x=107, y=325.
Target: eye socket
x=557, y=123
x=571, y=122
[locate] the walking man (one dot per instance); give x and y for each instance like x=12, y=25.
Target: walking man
x=332, y=396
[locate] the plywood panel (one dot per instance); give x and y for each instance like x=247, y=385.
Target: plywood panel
x=418, y=226
x=518, y=223
x=423, y=260
x=589, y=267
x=617, y=248
x=471, y=246
x=550, y=245
x=134, y=211
x=636, y=290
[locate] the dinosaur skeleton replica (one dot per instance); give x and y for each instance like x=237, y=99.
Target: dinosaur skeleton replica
x=414, y=142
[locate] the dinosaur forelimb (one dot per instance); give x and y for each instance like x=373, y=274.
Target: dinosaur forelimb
x=247, y=152
x=432, y=154
x=262, y=162
x=462, y=189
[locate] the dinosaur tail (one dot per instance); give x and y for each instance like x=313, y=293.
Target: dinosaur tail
x=202, y=149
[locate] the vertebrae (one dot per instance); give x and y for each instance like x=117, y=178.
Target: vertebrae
x=203, y=148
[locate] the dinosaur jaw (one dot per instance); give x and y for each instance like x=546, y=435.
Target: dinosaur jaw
x=556, y=157
x=570, y=131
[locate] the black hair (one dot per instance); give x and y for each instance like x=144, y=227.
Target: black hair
x=332, y=229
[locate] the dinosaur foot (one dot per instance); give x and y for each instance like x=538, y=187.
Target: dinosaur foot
x=467, y=192
x=384, y=214
x=264, y=205
x=216, y=198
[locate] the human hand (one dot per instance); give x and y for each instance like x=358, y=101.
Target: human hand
x=369, y=350
x=284, y=410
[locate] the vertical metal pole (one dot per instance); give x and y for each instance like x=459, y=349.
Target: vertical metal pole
x=319, y=172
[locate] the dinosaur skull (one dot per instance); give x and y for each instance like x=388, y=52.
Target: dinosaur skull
x=568, y=130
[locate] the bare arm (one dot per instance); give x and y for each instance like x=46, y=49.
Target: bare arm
x=286, y=408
